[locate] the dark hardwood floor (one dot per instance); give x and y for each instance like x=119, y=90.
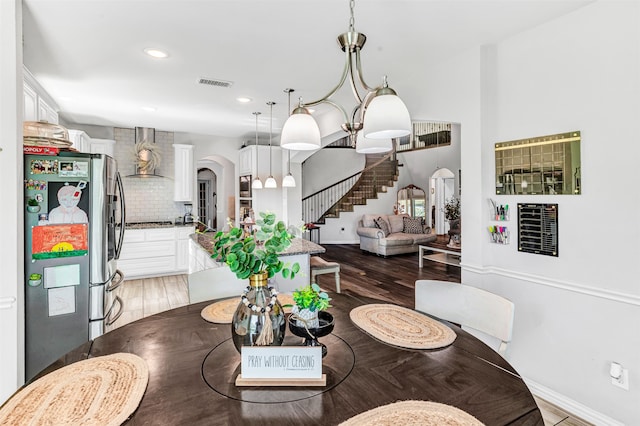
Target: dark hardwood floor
x=390, y=279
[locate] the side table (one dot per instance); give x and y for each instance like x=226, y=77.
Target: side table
x=448, y=257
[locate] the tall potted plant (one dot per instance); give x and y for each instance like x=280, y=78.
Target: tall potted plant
x=452, y=212
x=259, y=318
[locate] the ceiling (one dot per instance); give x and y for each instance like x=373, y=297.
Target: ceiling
x=88, y=54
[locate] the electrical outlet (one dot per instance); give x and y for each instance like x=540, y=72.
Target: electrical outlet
x=622, y=381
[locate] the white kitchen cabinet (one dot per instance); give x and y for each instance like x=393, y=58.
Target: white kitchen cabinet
x=199, y=258
x=46, y=112
x=102, y=146
x=254, y=161
x=30, y=103
x=35, y=107
x=80, y=140
x=155, y=251
x=182, y=248
x=245, y=163
x=184, y=174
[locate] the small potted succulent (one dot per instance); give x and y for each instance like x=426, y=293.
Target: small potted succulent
x=309, y=301
x=33, y=205
x=309, y=318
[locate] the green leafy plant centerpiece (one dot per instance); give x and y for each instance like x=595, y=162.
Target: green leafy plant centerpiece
x=259, y=318
x=257, y=253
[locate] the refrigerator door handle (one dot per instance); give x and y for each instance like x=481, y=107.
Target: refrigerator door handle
x=108, y=318
x=123, y=213
x=115, y=283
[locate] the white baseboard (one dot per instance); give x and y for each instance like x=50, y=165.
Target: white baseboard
x=569, y=405
x=340, y=242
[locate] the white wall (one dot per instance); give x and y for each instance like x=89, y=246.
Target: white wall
x=221, y=156
x=11, y=215
x=578, y=312
x=565, y=76
x=328, y=166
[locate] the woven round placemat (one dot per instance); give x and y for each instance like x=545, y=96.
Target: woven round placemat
x=221, y=312
x=101, y=391
x=406, y=413
x=402, y=327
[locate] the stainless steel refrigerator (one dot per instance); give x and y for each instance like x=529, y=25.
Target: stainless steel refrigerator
x=74, y=228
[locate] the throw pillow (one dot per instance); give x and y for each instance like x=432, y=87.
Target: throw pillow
x=368, y=220
x=412, y=225
x=395, y=222
x=382, y=225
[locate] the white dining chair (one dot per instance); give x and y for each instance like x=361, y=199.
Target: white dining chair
x=486, y=315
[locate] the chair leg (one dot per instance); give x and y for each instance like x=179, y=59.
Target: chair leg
x=337, y=282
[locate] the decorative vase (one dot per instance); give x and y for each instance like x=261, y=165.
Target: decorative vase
x=33, y=209
x=311, y=334
x=257, y=321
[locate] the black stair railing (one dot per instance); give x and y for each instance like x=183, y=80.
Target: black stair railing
x=342, y=195
x=318, y=203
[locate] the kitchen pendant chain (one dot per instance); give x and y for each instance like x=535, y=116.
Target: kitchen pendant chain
x=271, y=104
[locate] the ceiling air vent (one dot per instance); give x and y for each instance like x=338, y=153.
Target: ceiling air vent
x=214, y=82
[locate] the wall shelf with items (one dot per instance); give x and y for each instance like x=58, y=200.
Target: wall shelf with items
x=499, y=212
x=499, y=235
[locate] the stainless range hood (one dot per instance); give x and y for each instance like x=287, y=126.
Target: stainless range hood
x=146, y=153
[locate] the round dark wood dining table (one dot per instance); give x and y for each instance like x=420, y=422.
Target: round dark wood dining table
x=192, y=373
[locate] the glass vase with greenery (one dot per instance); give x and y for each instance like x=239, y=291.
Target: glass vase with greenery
x=259, y=318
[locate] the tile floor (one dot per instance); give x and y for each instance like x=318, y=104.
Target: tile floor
x=148, y=296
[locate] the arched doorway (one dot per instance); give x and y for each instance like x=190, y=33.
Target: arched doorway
x=442, y=188
x=220, y=192
x=207, y=197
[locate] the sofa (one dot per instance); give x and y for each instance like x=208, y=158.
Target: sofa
x=386, y=235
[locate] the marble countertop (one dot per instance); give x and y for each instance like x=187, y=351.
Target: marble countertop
x=298, y=245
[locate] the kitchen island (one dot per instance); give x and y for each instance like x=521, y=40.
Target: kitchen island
x=209, y=279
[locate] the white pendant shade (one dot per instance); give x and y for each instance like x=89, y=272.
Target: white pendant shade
x=288, y=181
x=256, y=184
x=300, y=133
x=270, y=183
x=386, y=117
x=372, y=146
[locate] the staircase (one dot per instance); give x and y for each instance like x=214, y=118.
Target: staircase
x=380, y=173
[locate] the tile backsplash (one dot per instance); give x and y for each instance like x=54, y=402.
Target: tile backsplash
x=147, y=199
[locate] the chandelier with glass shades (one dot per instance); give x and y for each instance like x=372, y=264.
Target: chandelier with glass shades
x=378, y=116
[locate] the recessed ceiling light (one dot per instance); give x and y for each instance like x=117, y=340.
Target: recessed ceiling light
x=149, y=109
x=243, y=100
x=156, y=53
